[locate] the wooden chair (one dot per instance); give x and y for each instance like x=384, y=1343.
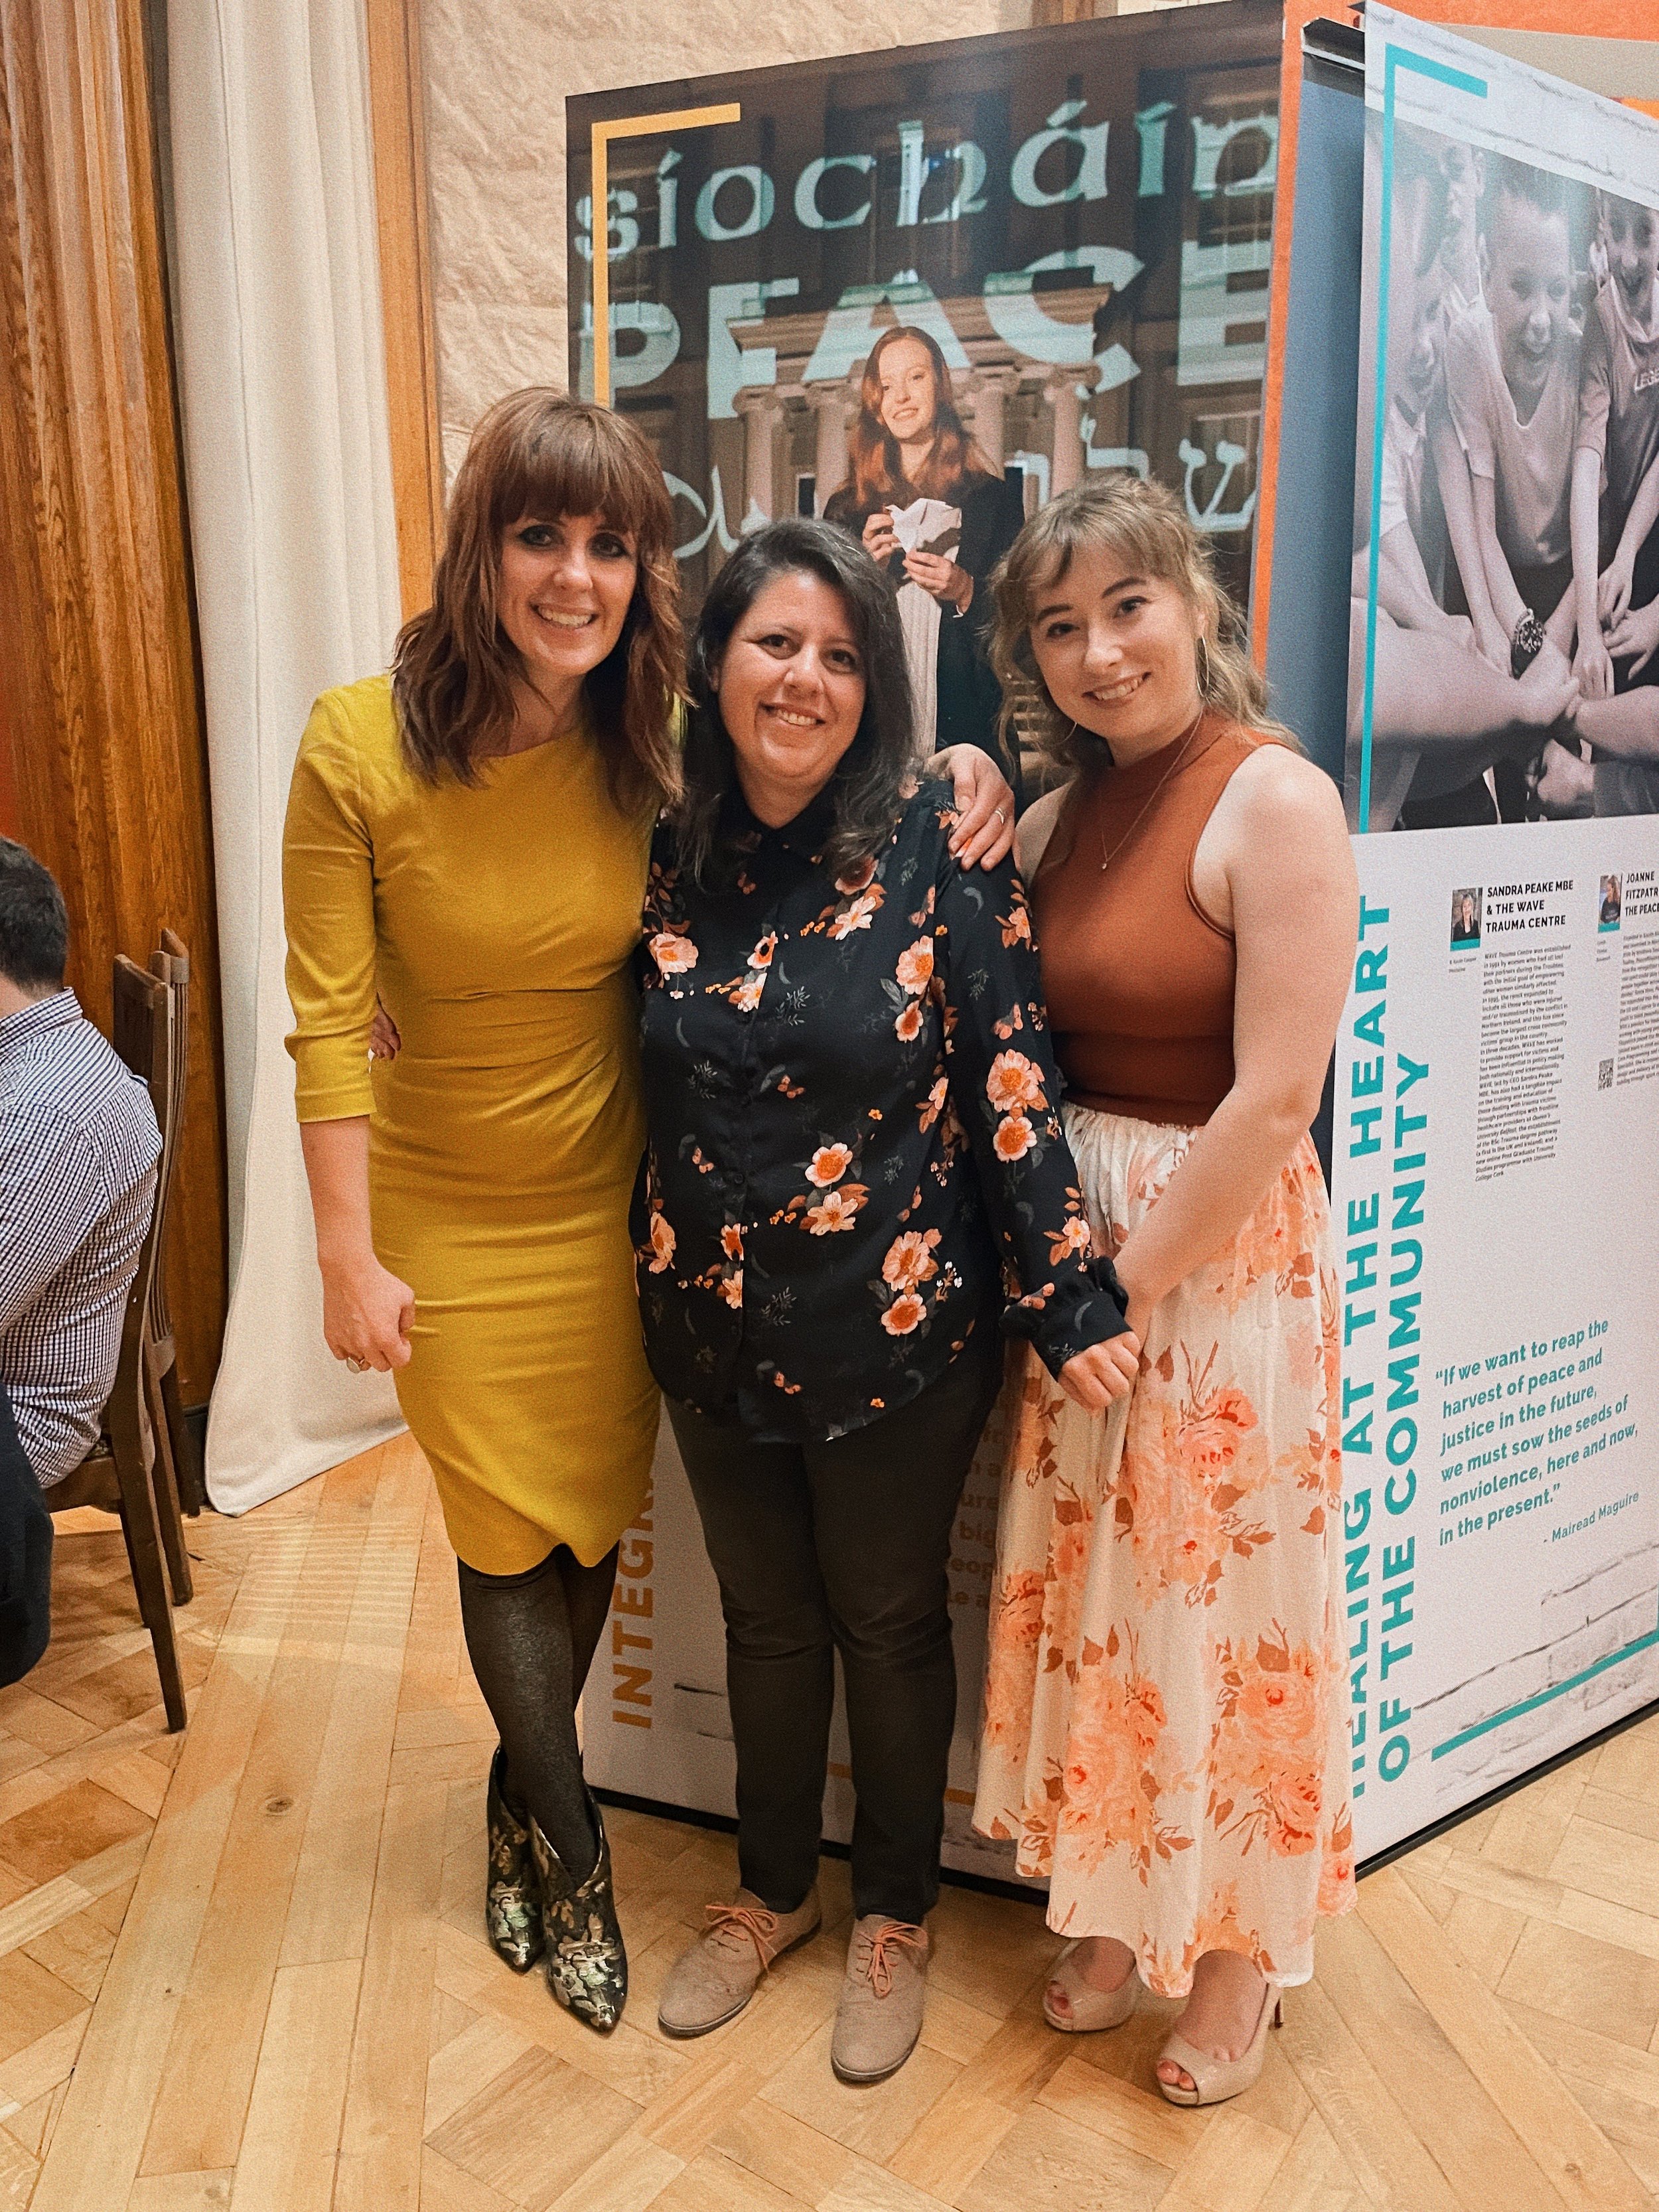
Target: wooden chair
x=123, y=1474
x=176, y=1442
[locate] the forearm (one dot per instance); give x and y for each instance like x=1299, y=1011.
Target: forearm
x=1625, y=728
x=337, y=1169
x=1507, y=604
x=1218, y=1185
x=1586, y=539
x=1457, y=498
x=1643, y=513
x=1429, y=692
x=1402, y=587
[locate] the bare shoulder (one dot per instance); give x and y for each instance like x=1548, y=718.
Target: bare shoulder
x=1035, y=827
x=1279, y=792
x=1279, y=824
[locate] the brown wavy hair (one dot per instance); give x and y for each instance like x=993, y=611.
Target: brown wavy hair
x=1145, y=525
x=539, y=453
x=877, y=467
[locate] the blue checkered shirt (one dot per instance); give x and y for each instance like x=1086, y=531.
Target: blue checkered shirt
x=78, y=1148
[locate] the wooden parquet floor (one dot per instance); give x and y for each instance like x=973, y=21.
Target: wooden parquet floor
x=246, y=1968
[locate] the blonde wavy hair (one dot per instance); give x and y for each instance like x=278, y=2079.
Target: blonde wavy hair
x=1143, y=526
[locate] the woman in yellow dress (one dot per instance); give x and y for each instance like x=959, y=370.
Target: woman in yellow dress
x=471, y=834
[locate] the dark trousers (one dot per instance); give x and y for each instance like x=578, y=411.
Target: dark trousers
x=842, y=1546
x=25, y=1557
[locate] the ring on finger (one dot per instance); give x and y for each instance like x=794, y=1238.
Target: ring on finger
x=1002, y=817
x=357, y=1366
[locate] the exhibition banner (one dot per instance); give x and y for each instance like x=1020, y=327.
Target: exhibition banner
x=1063, y=237
x=1495, y=1156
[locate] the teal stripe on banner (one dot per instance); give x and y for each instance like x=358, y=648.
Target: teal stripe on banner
x=1394, y=59
x=1555, y=1690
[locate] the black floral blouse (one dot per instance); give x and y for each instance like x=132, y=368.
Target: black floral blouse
x=821, y=1059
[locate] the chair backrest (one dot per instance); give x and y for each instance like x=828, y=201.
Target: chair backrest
x=171, y=965
x=141, y=1032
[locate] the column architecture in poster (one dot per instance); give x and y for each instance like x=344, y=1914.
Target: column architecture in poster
x=1496, y=1157
x=1071, y=229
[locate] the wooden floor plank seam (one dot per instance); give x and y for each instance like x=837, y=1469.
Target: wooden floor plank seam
x=246, y=1970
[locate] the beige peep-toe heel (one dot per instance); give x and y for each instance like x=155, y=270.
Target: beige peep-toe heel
x=1218, y=2079
x=1092, y=2009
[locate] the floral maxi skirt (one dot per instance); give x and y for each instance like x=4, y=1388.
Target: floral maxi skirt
x=1166, y=1730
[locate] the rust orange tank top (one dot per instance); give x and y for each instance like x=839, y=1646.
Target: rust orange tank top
x=1138, y=977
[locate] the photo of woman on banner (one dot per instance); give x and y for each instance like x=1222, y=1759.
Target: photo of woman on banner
x=926, y=502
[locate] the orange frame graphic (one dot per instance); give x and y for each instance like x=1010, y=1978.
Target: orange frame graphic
x=629, y=126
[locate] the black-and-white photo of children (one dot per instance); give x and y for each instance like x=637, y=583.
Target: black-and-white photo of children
x=1452, y=713
x=1615, y=507
x=1516, y=668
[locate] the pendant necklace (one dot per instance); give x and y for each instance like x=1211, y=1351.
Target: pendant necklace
x=1108, y=857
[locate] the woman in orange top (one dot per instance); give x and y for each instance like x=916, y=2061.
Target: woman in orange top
x=1164, y=1733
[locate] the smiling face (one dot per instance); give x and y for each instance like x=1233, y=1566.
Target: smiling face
x=1527, y=270
x=1630, y=236
x=564, y=595
x=910, y=392
x=791, y=691
x=1118, y=652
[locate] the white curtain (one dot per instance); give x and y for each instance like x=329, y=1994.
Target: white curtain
x=282, y=381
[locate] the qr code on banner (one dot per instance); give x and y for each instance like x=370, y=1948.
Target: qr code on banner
x=1604, y=1075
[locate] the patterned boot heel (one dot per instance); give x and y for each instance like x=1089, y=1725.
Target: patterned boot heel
x=586, y=1965
x=512, y=1888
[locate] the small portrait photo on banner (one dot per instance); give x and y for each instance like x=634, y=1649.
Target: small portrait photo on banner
x=1506, y=660
x=1466, y=916
x=1611, y=907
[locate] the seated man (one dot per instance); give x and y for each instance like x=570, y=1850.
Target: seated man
x=78, y=1150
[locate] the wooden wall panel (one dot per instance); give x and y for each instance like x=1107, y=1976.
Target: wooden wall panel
x=99, y=692
x=398, y=102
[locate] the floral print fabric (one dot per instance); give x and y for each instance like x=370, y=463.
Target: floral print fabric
x=854, y=1151
x=1166, y=1730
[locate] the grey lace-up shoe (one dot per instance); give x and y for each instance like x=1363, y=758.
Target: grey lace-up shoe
x=878, y=2019
x=712, y=1982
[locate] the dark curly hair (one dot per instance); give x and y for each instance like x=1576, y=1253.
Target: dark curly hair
x=869, y=782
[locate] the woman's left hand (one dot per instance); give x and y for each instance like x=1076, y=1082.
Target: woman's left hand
x=1094, y=1378
x=941, y=578
x=985, y=805
x=385, y=1042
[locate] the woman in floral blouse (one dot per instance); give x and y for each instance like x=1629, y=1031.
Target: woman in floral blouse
x=854, y=1172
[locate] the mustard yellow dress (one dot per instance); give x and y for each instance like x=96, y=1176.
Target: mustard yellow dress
x=498, y=923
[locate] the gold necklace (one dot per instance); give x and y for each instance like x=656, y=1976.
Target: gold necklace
x=1108, y=857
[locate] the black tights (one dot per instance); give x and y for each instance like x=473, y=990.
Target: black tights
x=531, y=1639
